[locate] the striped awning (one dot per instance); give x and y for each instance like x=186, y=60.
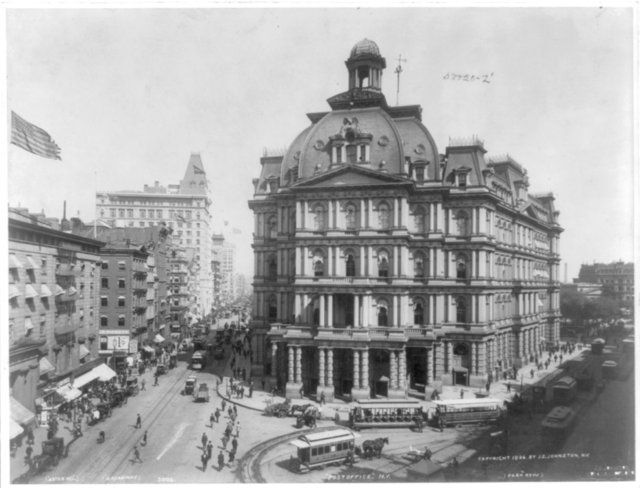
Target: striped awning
x=59, y=290
x=72, y=290
x=13, y=292
x=68, y=392
x=31, y=263
x=14, y=262
x=30, y=291
x=45, y=291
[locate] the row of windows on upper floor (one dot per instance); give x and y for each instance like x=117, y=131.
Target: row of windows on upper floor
x=124, y=202
x=421, y=222
x=421, y=266
x=505, y=306
x=149, y=213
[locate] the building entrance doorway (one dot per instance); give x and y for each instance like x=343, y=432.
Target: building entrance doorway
x=460, y=377
x=382, y=387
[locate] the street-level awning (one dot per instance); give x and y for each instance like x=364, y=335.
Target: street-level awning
x=14, y=429
x=161, y=326
x=46, y=366
x=175, y=335
x=45, y=291
x=105, y=373
x=68, y=392
x=158, y=339
x=86, y=378
x=59, y=290
x=148, y=349
x=21, y=414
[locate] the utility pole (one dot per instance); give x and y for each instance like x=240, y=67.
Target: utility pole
x=399, y=70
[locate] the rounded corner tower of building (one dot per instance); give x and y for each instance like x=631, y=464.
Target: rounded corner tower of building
x=384, y=268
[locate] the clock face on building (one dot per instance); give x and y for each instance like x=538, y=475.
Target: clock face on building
x=319, y=145
x=383, y=141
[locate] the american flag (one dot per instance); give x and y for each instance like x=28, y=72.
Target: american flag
x=32, y=138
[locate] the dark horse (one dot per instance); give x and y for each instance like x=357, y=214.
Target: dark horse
x=374, y=447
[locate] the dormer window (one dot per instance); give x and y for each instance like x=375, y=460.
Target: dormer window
x=420, y=174
x=462, y=180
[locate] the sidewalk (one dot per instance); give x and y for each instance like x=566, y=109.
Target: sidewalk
x=498, y=389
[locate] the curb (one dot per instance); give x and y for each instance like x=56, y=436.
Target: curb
x=236, y=402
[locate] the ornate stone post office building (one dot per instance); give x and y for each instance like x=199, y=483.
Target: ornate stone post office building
x=382, y=265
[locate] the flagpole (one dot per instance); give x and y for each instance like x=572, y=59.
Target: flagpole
x=95, y=212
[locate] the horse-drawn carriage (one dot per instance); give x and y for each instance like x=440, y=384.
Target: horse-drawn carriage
x=307, y=417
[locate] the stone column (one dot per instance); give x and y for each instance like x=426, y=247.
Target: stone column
x=403, y=369
x=322, y=314
x=329, y=367
x=361, y=271
x=291, y=365
x=356, y=368
x=393, y=362
x=362, y=213
x=449, y=358
x=330, y=310
x=321, y=365
x=356, y=311
x=274, y=358
x=476, y=358
x=366, y=310
x=429, y=359
x=394, y=314
x=298, y=364
x=365, y=370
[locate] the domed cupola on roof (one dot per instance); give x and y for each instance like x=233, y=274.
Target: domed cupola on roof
x=365, y=65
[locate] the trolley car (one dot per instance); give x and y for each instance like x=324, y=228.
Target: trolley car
x=385, y=413
x=467, y=411
x=320, y=448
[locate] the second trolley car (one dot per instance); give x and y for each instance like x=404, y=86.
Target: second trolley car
x=385, y=413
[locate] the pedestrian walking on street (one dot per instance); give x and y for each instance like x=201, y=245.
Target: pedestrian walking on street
x=232, y=456
x=217, y=415
x=204, y=460
x=27, y=458
x=211, y=419
x=142, y=384
x=237, y=434
x=144, y=439
x=136, y=455
x=323, y=400
x=235, y=410
x=138, y=422
x=225, y=439
x=508, y=387
x=220, y=461
x=461, y=392
x=224, y=404
x=209, y=449
x=234, y=444
x=487, y=386
x=204, y=440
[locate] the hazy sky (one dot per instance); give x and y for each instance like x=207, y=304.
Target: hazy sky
x=129, y=94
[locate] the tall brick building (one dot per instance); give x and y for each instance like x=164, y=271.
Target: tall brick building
x=382, y=265
x=616, y=279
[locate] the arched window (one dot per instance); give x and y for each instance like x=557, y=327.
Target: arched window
x=461, y=310
x=272, y=311
x=383, y=264
x=384, y=215
x=461, y=267
x=418, y=265
x=318, y=263
x=462, y=223
x=420, y=219
x=320, y=217
x=383, y=320
x=418, y=312
x=272, y=227
x=350, y=265
x=272, y=268
x=351, y=216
